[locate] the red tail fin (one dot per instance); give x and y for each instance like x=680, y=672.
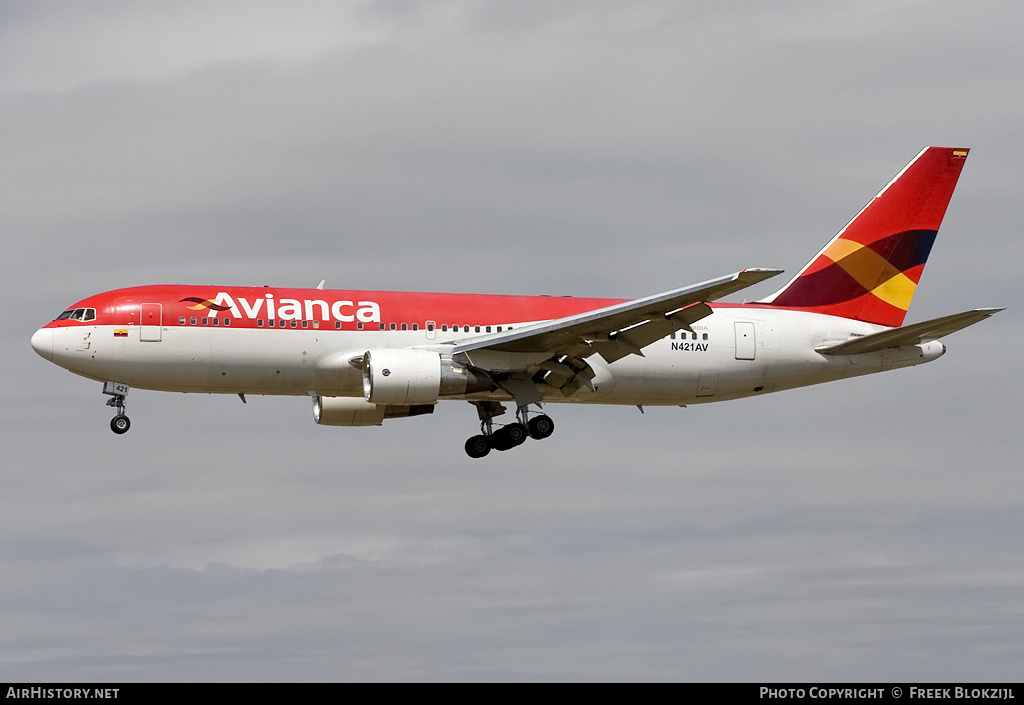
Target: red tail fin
x=869, y=271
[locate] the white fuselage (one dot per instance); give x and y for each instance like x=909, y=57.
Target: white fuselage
x=738, y=351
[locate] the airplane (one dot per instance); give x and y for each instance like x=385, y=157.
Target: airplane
x=365, y=357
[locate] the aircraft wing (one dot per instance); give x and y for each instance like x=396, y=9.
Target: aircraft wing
x=912, y=334
x=621, y=329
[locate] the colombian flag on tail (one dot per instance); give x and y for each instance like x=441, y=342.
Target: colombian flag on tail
x=870, y=270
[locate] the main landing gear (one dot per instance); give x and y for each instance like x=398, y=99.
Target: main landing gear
x=508, y=436
x=117, y=392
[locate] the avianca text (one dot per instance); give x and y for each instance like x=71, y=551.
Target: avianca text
x=293, y=309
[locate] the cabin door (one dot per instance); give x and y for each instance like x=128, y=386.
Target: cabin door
x=150, y=322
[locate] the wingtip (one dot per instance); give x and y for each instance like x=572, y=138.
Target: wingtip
x=762, y=272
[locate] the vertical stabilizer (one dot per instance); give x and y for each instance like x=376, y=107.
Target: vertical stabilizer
x=870, y=270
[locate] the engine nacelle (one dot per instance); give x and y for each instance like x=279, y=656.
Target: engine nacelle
x=409, y=376
x=401, y=376
x=352, y=411
x=346, y=411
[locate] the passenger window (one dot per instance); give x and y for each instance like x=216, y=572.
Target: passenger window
x=282, y=323
x=227, y=321
x=444, y=328
x=293, y=324
x=192, y=321
x=359, y=326
x=305, y=324
x=380, y=326
x=216, y=321
x=488, y=329
x=205, y=321
x=337, y=325
x=259, y=322
x=705, y=336
x=181, y=321
x=405, y=326
x=415, y=326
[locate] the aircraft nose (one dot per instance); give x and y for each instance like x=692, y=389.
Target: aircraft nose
x=42, y=343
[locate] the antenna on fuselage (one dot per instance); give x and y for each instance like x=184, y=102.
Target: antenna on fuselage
x=321, y=284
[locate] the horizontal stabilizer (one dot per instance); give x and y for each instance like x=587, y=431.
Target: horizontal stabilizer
x=910, y=335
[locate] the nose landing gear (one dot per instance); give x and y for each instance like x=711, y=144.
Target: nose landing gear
x=117, y=392
x=120, y=424
x=508, y=436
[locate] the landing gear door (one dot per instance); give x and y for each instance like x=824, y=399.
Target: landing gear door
x=150, y=322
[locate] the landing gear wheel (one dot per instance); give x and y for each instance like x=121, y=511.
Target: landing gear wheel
x=478, y=446
x=517, y=433
x=504, y=438
x=120, y=424
x=541, y=427
x=509, y=437
x=500, y=441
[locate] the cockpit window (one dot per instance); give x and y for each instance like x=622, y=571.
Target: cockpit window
x=79, y=314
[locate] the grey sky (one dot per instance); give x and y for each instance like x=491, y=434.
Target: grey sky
x=864, y=530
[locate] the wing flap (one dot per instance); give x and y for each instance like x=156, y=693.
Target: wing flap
x=631, y=341
x=912, y=334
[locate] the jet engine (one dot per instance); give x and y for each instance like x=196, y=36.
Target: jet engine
x=353, y=411
x=409, y=376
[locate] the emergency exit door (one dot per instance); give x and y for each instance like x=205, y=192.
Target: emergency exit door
x=746, y=345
